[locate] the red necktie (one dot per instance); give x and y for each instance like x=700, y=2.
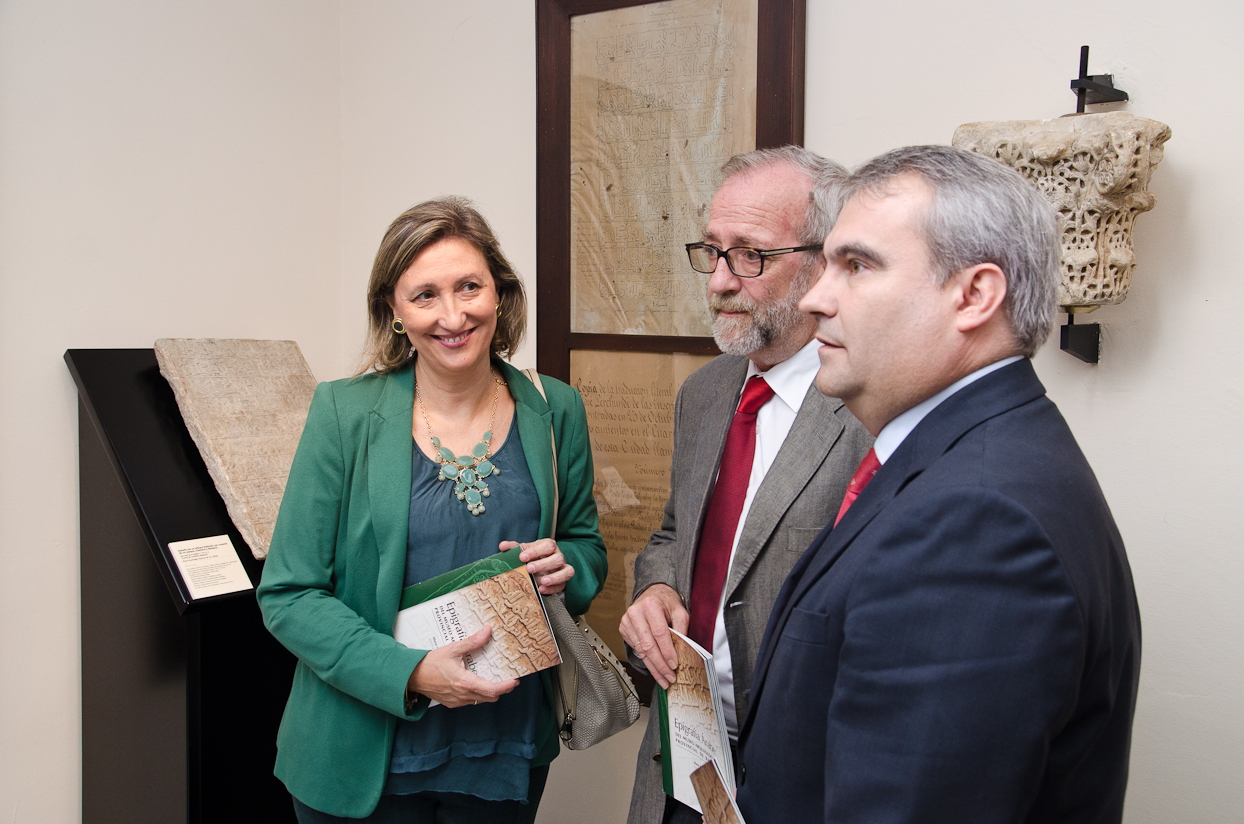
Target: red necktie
x=712, y=560
x=867, y=468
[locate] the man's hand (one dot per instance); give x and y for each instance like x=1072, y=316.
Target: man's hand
x=442, y=676
x=646, y=628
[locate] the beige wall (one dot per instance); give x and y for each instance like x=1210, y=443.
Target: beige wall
x=436, y=99
x=159, y=161
x=166, y=169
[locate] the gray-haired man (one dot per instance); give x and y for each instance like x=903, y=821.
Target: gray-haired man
x=964, y=645
x=761, y=459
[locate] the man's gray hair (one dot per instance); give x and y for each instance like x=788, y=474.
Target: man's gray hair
x=982, y=212
x=824, y=174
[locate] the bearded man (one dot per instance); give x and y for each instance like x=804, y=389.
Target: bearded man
x=761, y=459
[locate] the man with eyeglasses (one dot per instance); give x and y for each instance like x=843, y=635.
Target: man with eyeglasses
x=761, y=459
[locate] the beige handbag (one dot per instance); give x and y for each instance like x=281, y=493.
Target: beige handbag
x=594, y=696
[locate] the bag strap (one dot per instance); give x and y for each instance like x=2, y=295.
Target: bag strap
x=534, y=377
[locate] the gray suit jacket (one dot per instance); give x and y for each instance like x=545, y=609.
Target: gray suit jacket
x=800, y=495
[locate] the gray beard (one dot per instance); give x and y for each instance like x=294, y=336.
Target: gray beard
x=764, y=324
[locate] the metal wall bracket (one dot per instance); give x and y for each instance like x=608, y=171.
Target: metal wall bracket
x=1083, y=341
x=1094, y=88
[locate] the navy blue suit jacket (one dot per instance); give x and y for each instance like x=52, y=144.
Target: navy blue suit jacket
x=964, y=645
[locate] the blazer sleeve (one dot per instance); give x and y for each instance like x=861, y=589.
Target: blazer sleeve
x=578, y=524
x=304, y=577
x=961, y=650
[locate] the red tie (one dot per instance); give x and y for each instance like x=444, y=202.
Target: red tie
x=712, y=560
x=867, y=468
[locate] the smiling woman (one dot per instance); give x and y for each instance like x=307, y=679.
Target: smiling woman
x=439, y=456
x=415, y=231
x=446, y=303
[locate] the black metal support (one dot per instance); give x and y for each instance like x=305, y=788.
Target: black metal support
x=1083, y=341
x=1094, y=88
x=181, y=699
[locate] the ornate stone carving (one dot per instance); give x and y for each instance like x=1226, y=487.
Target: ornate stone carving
x=1095, y=169
x=245, y=403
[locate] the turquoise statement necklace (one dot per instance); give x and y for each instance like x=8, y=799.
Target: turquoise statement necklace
x=467, y=471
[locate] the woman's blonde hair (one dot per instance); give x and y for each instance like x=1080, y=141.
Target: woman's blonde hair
x=415, y=230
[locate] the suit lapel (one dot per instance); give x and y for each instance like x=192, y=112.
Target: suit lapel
x=997, y=392
x=390, y=449
x=716, y=411
x=815, y=430
x=829, y=545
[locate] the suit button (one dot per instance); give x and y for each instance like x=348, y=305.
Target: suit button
x=656, y=756
x=742, y=774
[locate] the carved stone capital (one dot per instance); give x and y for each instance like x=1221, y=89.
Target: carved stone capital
x=1095, y=169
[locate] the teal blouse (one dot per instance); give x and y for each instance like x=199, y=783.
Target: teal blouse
x=483, y=750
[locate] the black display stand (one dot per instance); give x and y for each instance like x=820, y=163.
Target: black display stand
x=181, y=699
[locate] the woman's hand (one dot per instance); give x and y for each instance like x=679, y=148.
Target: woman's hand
x=442, y=676
x=545, y=561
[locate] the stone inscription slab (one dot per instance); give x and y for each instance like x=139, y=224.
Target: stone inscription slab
x=245, y=403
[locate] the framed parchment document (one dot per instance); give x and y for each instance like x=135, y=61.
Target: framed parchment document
x=661, y=96
x=629, y=397
x=639, y=105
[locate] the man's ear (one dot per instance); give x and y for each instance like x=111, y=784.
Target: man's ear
x=978, y=292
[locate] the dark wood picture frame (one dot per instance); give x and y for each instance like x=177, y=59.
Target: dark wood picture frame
x=780, y=36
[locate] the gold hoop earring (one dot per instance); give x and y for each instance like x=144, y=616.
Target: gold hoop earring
x=498, y=308
x=399, y=328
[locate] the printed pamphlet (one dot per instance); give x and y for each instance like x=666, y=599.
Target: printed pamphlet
x=716, y=801
x=496, y=591
x=693, y=726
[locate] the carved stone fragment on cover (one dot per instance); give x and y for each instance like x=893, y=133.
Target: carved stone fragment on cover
x=245, y=403
x=1095, y=169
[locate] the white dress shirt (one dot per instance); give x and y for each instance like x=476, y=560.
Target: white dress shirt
x=790, y=381
x=896, y=431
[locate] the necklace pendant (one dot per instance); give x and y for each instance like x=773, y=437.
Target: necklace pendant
x=466, y=471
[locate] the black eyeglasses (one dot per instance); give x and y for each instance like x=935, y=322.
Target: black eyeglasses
x=744, y=261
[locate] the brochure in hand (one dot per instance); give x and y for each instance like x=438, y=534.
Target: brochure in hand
x=716, y=801
x=495, y=591
x=693, y=726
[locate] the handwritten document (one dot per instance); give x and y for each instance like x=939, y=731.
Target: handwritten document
x=661, y=96
x=629, y=398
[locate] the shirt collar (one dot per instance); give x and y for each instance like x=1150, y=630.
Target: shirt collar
x=791, y=378
x=897, y=430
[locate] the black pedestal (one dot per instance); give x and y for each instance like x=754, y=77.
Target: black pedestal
x=181, y=699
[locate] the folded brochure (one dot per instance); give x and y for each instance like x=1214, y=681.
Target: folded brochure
x=495, y=591
x=693, y=726
x=716, y=800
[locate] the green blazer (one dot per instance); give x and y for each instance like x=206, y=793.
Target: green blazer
x=334, y=572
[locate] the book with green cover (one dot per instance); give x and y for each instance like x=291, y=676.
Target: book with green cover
x=495, y=591
x=692, y=723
